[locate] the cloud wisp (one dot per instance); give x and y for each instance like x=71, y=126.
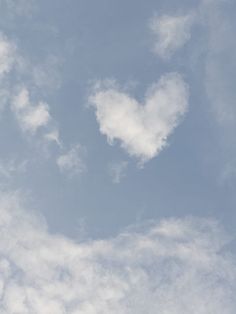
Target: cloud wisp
x=31, y=113
x=30, y=117
x=72, y=162
x=170, y=267
x=170, y=32
x=11, y=8
x=220, y=63
x=142, y=129
x=7, y=55
x=117, y=170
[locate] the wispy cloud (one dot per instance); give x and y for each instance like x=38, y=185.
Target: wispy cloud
x=13, y=8
x=117, y=170
x=54, y=136
x=170, y=33
x=142, y=129
x=72, y=162
x=30, y=117
x=47, y=73
x=11, y=167
x=220, y=62
x=171, y=267
x=7, y=55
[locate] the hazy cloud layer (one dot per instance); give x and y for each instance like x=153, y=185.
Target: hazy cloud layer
x=142, y=129
x=175, y=266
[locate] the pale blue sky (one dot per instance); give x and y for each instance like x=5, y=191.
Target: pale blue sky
x=77, y=44
x=59, y=158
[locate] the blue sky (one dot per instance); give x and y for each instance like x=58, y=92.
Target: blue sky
x=117, y=161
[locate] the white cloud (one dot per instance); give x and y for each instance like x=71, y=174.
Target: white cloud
x=30, y=117
x=142, y=129
x=117, y=170
x=171, y=267
x=72, y=162
x=170, y=33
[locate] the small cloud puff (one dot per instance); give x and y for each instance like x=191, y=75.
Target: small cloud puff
x=30, y=117
x=142, y=129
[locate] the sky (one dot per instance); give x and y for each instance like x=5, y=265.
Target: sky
x=117, y=159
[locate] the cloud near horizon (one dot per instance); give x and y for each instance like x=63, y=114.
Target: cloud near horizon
x=169, y=267
x=142, y=129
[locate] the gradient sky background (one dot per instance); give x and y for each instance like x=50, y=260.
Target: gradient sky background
x=66, y=69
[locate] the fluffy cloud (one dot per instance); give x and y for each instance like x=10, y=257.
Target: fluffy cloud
x=30, y=117
x=142, y=129
x=170, y=33
x=171, y=267
x=72, y=162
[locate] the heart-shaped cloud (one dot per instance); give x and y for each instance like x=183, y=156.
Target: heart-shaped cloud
x=141, y=128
